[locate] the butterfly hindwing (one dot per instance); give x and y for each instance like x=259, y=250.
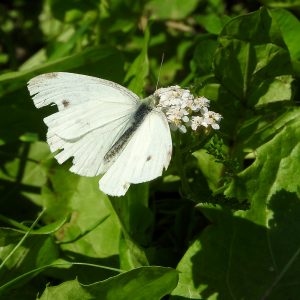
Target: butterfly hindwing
x=145, y=156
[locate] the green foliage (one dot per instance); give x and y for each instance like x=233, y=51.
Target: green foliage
x=150, y=282
x=223, y=220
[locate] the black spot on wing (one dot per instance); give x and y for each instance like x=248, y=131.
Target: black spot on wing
x=65, y=103
x=149, y=157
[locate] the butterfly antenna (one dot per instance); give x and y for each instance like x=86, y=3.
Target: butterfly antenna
x=162, y=60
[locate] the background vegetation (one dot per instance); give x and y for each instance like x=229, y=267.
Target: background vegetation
x=224, y=220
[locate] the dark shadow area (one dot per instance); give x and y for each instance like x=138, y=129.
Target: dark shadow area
x=25, y=36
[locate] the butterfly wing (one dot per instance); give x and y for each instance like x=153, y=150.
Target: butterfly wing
x=93, y=114
x=145, y=156
x=68, y=89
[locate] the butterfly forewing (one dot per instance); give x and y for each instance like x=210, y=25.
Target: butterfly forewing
x=68, y=89
x=93, y=114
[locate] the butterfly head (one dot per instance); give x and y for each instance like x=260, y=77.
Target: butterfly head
x=152, y=100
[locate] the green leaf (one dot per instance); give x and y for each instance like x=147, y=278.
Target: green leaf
x=51, y=228
x=236, y=258
x=150, y=282
x=171, y=9
x=27, y=170
x=134, y=213
x=259, y=62
x=260, y=129
x=282, y=3
x=139, y=69
x=204, y=55
x=275, y=164
x=63, y=48
x=211, y=169
x=95, y=60
x=257, y=250
x=290, y=28
x=91, y=217
x=136, y=221
x=131, y=254
x=212, y=22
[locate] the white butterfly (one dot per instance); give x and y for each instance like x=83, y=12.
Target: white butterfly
x=105, y=128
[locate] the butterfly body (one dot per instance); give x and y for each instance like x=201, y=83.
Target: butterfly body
x=138, y=117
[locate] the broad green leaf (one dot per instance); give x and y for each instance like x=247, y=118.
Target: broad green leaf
x=134, y=213
x=290, y=28
x=91, y=218
x=242, y=252
x=275, y=164
x=142, y=283
x=236, y=258
x=264, y=127
x=259, y=62
x=38, y=156
x=131, y=254
x=257, y=250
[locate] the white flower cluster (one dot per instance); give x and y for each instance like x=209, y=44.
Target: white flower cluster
x=184, y=110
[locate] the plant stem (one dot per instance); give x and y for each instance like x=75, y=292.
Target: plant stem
x=53, y=265
x=13, y=223
x=22, y=239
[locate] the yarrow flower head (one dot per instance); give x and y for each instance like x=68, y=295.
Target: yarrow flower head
x=183, y=110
